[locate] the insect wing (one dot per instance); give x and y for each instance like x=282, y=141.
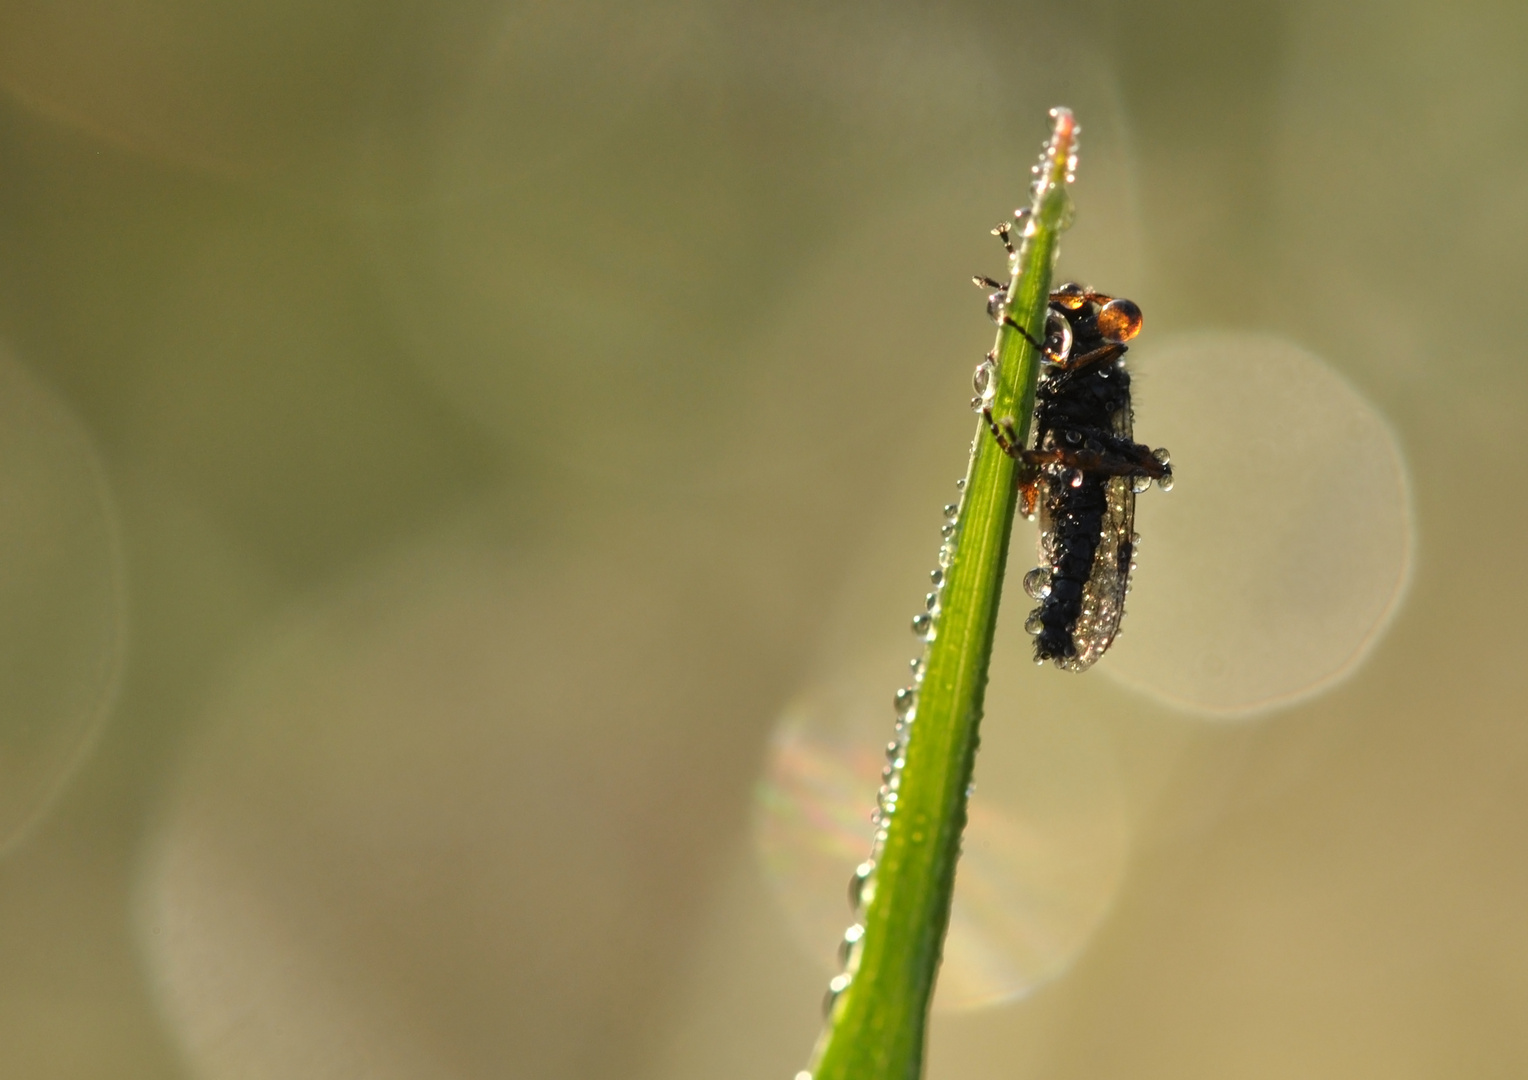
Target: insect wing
x=1103, y=597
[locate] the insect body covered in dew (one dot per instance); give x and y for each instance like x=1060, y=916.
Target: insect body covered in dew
x=1082, y=474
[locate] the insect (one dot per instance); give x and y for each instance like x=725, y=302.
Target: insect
x=1083, y=472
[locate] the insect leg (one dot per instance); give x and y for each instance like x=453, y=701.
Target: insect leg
x=1001, y=232
x=1123, y=458
x=1029, y=490
x=1025, y=334
x=1101, y=355
x=1003, y=432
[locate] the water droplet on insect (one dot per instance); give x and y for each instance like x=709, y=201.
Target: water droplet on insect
x=905, y=699
x=1161, y=454
x=922, y=624
x=1074, y=478
x=1037, y=583
x=1033, y=625
x=1165, y=482
x=1139, y=484
x=936, y=576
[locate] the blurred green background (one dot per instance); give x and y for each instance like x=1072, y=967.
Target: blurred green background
x=443, y=440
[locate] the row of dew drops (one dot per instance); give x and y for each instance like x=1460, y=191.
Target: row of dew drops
x=925, y=626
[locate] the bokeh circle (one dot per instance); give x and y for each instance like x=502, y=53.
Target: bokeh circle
x=62, y=610
x=1284, y=548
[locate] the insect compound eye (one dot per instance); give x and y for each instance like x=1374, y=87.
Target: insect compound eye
x=1070, y=296
x=1120, y=320
x=1058, y=336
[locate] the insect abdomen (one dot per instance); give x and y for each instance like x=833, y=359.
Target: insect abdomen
x=1076, y=515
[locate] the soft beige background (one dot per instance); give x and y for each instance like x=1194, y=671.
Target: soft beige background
x=442, y=440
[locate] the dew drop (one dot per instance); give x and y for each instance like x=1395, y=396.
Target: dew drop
x=1037, y=583
x=960, y=485
x=1165, y=482
x=936, y=576
x=997, y=303
x=931, y=601
x=922, y=624
x=1033, y=625
x=905, y=699
x=1058, y=336
x=981, y=378
x=947, y=530
x=950, y=510
x=1074, y=478
x=1068, y=212
x=1139, y=484
x=1161, y=454
x=839, y=984
x=946, y=555
x=859, y=884
x=852, y=937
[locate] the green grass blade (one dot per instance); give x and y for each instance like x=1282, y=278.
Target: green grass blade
x=876, y=1027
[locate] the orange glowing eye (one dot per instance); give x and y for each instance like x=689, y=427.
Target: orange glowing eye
x=1120, y=320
